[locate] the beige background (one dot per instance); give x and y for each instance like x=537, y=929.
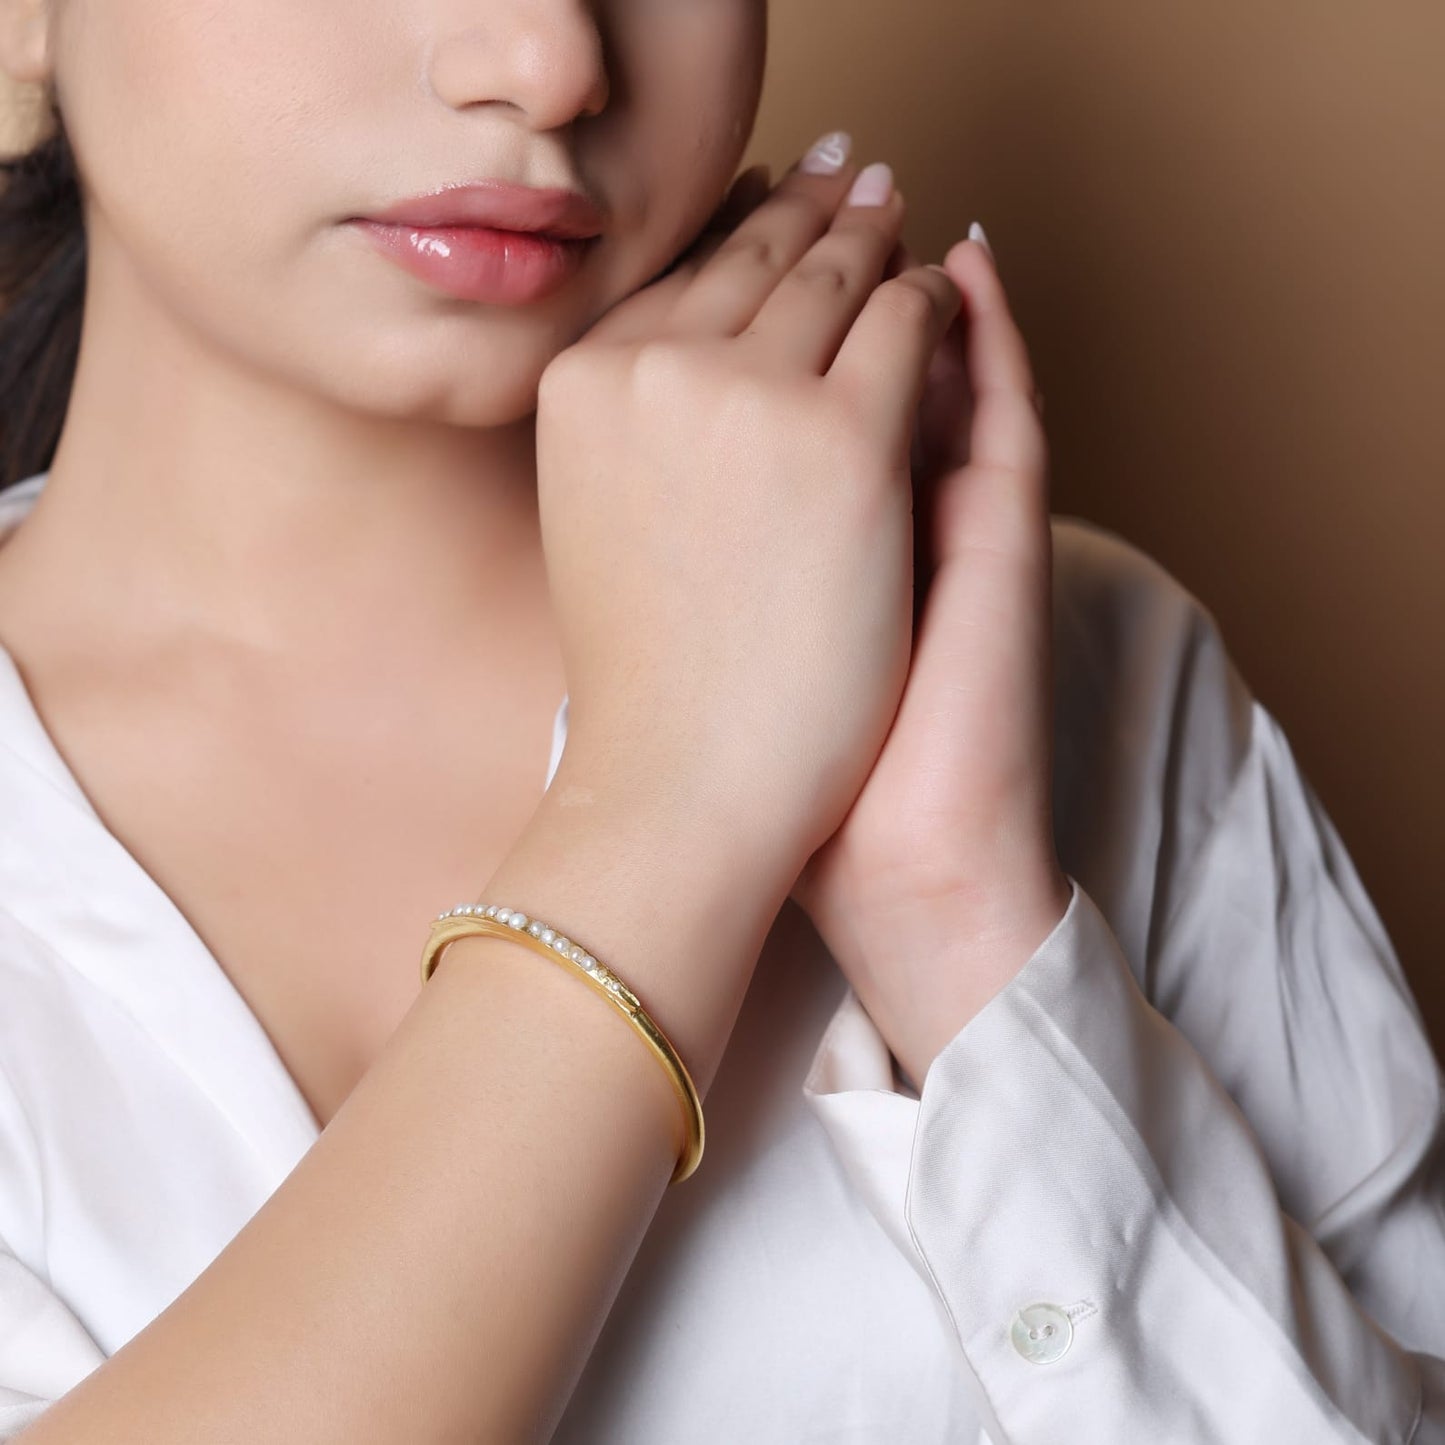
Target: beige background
x=1223, y=228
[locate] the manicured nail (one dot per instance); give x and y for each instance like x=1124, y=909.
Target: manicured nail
x=827, y=155
x=976, y=233
x=872, y=185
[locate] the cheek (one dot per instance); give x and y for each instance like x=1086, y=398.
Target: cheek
x=698, y=72
x=190, y=118
x=211, y=197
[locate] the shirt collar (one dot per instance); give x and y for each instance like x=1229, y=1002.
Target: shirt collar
x=23, y=733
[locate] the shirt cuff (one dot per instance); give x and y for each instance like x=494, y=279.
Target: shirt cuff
x=869, y=1108
x=1099, y=1222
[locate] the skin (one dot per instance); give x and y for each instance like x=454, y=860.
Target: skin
x=943, y=880
x=292, y=490
x=294, y=485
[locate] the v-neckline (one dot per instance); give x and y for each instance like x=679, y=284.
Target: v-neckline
x=71, y=882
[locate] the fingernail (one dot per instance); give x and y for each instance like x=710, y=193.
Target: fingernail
x=976, y=233
x=827, y=154
x=872, y=185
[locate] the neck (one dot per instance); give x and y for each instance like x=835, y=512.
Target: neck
x=192, y=494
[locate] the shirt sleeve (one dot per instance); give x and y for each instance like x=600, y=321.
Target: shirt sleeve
x=1203, y=1202
x=44, y=1349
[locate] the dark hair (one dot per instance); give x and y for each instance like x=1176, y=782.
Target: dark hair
x=42, y=291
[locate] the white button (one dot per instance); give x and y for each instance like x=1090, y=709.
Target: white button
x=1041, y=1333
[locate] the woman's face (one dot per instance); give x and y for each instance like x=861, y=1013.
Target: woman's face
x=223, y=144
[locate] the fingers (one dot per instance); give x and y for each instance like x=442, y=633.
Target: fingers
x=995, y=503
x=748, y=191
x=732, y=283
x=802, y=321
x=1007, y=433
x=885, y=359
x=899, y=260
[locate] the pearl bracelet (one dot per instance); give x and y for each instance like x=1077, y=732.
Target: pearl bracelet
x=494, y=920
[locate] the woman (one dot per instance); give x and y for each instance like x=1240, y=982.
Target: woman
x=1047, y=1094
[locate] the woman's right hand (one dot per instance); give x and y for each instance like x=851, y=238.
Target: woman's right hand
x=726, y=509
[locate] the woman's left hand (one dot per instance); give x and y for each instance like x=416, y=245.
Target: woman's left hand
x=944, y=879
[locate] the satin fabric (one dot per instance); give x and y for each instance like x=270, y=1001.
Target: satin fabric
x=1196, y=1142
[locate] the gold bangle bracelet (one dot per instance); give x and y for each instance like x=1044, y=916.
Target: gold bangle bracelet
x=473, y=919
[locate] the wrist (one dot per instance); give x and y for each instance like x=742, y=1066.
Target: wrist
x=676, y=912
x=722, y=822
x=928, y=968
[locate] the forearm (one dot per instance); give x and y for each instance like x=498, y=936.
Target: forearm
x=439, y=1264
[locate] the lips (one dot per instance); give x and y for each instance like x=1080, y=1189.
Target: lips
x=490, y=242
x=497, y=206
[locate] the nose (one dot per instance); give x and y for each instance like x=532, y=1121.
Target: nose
x=545, y=58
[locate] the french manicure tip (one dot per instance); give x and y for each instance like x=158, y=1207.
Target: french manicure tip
x=825, y=157
x=976, y=233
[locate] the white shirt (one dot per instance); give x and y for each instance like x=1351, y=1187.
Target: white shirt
x=1196, y=1141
